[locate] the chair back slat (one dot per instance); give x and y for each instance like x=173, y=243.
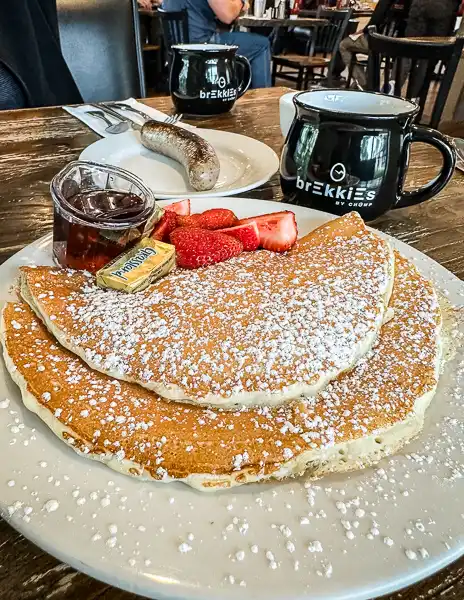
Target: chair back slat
x=175, y=28
x=412, y=69
x=400, y=65
x=328, y=37
x=414, y=61
x=396, y=20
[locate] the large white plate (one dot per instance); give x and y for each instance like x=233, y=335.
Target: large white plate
x=245, y=163
x=415, y=499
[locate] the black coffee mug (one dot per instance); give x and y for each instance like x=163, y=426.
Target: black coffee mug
x=207, y=79
x=349, y=150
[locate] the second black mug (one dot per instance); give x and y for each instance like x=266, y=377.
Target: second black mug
x=349, y=150
x=207, y=79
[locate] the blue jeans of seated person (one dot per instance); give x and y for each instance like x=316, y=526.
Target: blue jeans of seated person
x=256, y=48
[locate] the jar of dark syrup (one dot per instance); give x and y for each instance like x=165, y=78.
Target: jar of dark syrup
x=100, y=212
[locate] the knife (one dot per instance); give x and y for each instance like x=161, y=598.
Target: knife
x=110, y=111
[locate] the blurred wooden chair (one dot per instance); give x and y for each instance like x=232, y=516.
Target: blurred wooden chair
x=175, y=29
x=101, y=44
x=415, y=62
x=322, y=47
x=153, y=50
x=394, y=26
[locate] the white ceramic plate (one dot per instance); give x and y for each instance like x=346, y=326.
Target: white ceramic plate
x=410, y=505
x=245, y=163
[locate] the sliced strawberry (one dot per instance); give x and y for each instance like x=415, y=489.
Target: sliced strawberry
x=201, y=247
x=189, y=221
x=180, y=208
x=165, y=226
x=217, y=218
x=248, y=234
x=277, y=231
x=214, y=218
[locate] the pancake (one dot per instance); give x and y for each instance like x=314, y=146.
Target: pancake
x=364, y=415
x=256, y=330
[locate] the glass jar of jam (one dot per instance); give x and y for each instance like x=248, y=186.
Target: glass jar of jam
x=99, y=212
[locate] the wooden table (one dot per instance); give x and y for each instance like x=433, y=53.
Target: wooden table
x=300, y=22
x=360, y=12
x=357, y=12
x=36, y=144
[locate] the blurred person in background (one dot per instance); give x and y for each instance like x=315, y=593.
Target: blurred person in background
x=33, y=71
x=430, y=18
x=357, y=42
x=149, y=4
x=205, y=17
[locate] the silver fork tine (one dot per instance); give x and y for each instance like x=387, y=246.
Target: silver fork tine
x=171, y=120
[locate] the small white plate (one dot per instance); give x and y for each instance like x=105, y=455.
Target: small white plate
x=245, y=163
x=344, y=537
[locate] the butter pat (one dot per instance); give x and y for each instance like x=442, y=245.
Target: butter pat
x=137, y=268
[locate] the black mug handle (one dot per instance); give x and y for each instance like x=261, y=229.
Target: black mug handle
x=245, y=68
x=441, y=143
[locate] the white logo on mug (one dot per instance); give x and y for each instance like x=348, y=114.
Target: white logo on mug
x=359, y=196
x=338, y=172
x=222, y=82
x=225, y=95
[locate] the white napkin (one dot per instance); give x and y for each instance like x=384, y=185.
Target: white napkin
x=80, y=112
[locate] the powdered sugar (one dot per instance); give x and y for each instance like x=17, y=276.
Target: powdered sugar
x=262, y=331
x=51, y=505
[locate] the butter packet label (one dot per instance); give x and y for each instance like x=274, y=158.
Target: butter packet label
x=137, y=268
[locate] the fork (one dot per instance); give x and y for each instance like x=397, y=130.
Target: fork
x=109, y=110
x=460, y=153
x=171, y=120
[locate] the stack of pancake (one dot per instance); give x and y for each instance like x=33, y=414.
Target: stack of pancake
x=323, y=359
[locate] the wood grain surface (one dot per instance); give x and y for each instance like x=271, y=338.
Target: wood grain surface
x=36, y=144
x=357, y=12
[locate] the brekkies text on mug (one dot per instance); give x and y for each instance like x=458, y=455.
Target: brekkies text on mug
x=207, y=79
x=349, y=150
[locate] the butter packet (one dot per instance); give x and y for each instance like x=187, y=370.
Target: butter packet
x=136, y=269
